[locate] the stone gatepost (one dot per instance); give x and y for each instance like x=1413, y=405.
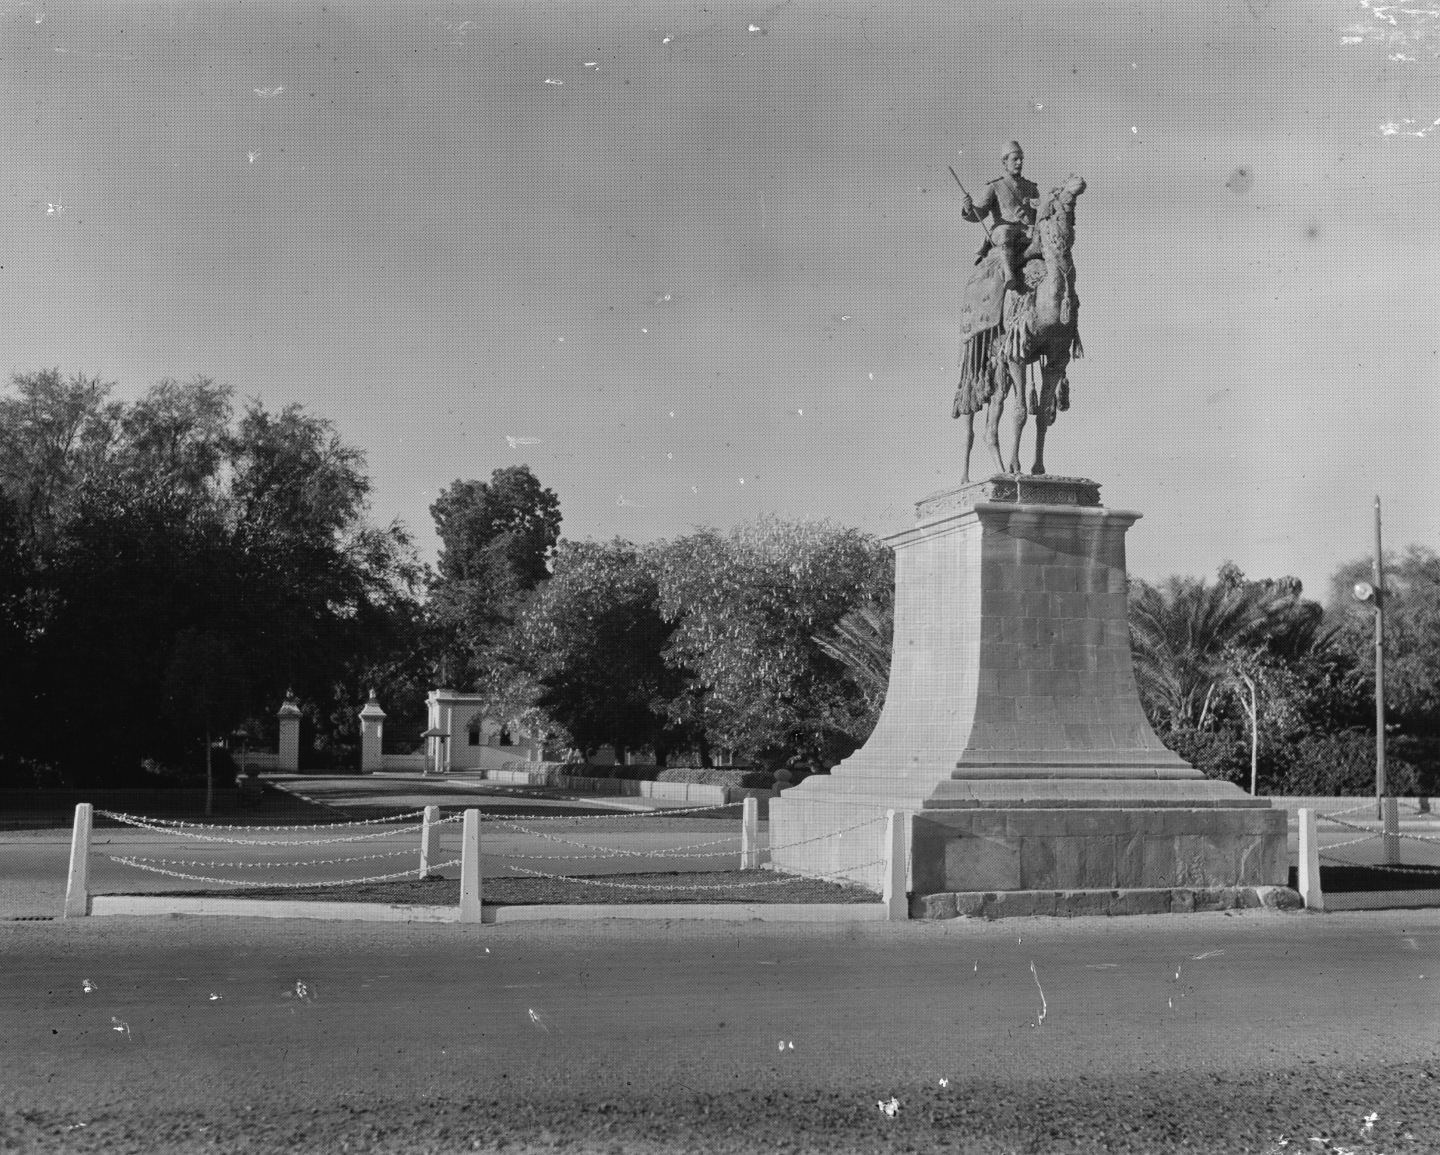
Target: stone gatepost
x=372, y=729
x=289, y=715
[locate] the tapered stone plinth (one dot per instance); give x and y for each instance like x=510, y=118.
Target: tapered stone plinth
x=1011, y=692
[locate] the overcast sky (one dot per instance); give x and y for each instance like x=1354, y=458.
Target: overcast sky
x=696, y=263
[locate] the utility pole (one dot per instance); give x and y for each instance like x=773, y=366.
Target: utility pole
x=1374, y=594
x=1379, y=661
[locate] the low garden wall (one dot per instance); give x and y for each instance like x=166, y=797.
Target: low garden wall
x=723, y=788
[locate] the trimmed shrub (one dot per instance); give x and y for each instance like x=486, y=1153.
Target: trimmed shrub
x=1215, y=753
x=1343, y=764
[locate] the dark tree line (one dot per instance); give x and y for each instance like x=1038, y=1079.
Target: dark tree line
x=172, y=566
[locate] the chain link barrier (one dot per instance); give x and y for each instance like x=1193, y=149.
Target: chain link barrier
x=1372, y=835
x=267, y=865
x=148, y=824
x=194, y=830
x=139, y=865
x=667, y=813
x=1378, y=834
x=217, y=826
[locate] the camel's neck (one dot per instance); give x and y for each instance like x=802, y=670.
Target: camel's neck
x=1059, y=268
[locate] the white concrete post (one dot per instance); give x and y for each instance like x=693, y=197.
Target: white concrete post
x=750, y=834
x=77, y=889
x=429, y=840
x=897, y=902
x=1309, y=862
x=470, y=868
x=1390, y=820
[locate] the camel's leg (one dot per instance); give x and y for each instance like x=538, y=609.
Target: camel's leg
x=1050, y=376
x=993, y=412
x=1016, y=370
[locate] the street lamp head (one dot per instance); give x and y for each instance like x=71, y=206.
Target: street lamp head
x=1363, y=592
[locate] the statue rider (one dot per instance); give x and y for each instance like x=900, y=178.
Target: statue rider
x=1009, y=199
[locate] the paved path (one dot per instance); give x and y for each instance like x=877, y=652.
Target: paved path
x=1202, y=1033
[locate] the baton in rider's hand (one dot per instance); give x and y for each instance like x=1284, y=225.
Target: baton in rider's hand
x=983, y=223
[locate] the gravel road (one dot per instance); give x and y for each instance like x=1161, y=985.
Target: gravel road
x=1201, y=1033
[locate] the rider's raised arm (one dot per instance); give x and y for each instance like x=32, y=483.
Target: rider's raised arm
x=980, y=209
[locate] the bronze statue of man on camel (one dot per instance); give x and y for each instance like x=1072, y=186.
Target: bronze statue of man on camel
x=1019, y=308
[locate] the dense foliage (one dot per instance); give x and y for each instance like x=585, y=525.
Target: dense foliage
x=594, y=643
x=170, y=568
x=497, y=542
x=747, y=608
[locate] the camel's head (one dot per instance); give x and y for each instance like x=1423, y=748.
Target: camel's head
x=1064, y=196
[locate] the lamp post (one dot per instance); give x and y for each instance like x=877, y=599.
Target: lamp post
x=1373, y=594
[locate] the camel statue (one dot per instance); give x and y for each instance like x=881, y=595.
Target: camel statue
x=1041, y=324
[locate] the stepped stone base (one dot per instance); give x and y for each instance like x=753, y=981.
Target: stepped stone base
x=1080, y=903
x=1090, y=848
x=1037, y=846
x=1012, y=734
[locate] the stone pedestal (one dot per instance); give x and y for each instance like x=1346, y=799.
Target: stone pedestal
x=1012, y=733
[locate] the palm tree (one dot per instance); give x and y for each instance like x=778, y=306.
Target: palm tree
x=1184, y=634
x=860, y=642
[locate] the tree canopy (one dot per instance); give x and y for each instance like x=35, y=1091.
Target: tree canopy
x=136, y=529
x=747, y=607
x=595, y=642
x=497, y=541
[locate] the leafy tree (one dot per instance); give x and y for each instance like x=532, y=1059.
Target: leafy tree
x=596, y=642
x=53, y=434
x=1411, y=601
x=747, y=608
x=1411, y=606
x=137, y=525
x=497, y=540
x=208, y=688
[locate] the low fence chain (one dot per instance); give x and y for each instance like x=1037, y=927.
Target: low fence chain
x=714, y=886
x=1354, y=841
x=616, y=853
x=218, y=826
x=828, y=834
x=1361, y=809
x=1371, y=829
x=281, y=885
x=731, y=853
x=147, y=824
x=271, y=865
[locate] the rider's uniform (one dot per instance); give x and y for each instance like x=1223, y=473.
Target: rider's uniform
x=1009, y=199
